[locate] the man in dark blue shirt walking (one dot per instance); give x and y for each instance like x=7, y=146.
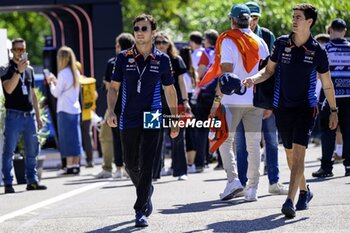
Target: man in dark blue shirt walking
x=339, y=60
x=295, y=61
x=142, y=70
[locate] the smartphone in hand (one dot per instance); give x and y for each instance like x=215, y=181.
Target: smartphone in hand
x=46, y=72
x=24, y=56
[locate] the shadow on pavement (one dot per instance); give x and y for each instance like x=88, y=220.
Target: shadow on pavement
x=113, y=228
x=314, y=180
x=16, y=192
x=201, y=206
x=205, y=206
x=214, y=180
x=310, y=166
x=260, y=224
x=117, y=186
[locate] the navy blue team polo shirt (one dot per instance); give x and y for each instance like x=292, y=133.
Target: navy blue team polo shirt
x=157, y=71
x=295, y=74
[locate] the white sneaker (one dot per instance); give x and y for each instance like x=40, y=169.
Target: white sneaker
x=62, y=172
x=241, y=194
x=166, y=171
x=250, y=195
x=278, y=189
x=183, y=177
x=191, y=169
x=231, y=189
x=103, y=174
x=118, y=174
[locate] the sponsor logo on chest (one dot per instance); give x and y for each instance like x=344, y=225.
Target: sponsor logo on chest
x=154, y=66
x=309, y=56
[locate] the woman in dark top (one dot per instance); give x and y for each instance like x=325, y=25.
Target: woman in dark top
x=179, y=163
x=190, y=83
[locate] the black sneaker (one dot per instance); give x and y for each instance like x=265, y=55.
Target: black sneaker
x=347, y=171
x=218, y=167
x=304, y=199
x=322, y=173
x=73, y=171
x=9, y=189
x=140, y=220
x=149, y=205
x=35, y=186
x=288, y=209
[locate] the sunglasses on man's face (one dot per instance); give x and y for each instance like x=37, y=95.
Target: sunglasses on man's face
x=143, y=28
x=159, y=42
x=19, y=50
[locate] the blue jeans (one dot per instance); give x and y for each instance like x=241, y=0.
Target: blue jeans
x=18, y=122
x=269, y=130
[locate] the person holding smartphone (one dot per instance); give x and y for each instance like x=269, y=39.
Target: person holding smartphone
x=22, y=116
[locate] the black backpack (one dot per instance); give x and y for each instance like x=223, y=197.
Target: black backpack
x=266, y=36
x=264, y=92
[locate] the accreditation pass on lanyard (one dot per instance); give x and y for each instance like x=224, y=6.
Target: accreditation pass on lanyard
x=139, y=80
x=24, y=87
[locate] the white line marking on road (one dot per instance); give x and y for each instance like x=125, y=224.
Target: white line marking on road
x=50, y=201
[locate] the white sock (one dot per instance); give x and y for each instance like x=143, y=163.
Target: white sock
x=339, y=149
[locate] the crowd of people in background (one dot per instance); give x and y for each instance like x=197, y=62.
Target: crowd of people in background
x=148, y=72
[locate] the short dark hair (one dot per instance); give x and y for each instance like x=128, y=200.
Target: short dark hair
x=211, y=35
x=125, y=40
x=145, y=17
x=241, y=22
x=17, y=40
x=196, y=37
x=310, y=12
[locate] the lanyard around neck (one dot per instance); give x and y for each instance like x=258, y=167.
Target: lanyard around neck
x=138, y=69
x=22, y=78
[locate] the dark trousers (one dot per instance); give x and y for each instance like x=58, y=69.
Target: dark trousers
x=139, y=149
x=328, y=136
x=178, y=154
x=159, y=157
x=117, y=147
x=86, y=139
x=202, y=145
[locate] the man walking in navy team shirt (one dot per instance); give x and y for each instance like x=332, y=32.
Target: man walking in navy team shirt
x=142, y=70
x=295, y=61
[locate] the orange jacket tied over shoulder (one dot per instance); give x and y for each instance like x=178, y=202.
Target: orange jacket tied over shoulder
x=247, y=46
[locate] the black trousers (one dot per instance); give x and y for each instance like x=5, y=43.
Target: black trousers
x=117, y=147
x=86, y=138
x=178, y=154
x=328, y=136
x=139, y=150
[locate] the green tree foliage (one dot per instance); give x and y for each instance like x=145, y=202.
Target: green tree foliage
x=180, y=17
x=30, y=26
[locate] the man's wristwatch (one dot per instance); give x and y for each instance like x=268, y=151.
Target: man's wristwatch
x=17, y=72
x=334, y=110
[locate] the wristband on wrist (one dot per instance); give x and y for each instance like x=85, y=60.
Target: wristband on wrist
x=334, y=110
x=217, y=99
x=17, y=72
x=184, y=100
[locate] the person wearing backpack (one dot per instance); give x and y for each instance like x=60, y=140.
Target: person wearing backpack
x=269, y=129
